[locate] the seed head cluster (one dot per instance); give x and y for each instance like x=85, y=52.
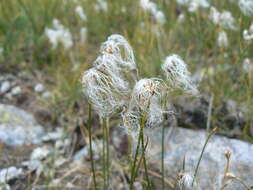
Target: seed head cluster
x=108, y=88
x=177, y=74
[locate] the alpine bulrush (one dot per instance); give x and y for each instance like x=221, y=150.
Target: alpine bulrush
x=80, y=12
x=178, y=75
x=145, y=100
x=151, y=7
x=101, y=5
x=248, y=34
x=118, y=47
x=185, y=181
x=247, y=65
x=222, y=39
x=194, y=5
x=59, y=34
x=83, y=35
x=224, y=19
x=98, y=88
x=246, y=6
x=105, y=85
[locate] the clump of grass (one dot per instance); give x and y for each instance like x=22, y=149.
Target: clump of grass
x=104, y=86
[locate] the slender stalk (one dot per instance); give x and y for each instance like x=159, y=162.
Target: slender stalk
x=140, y=143
x=209, y=113
x=162, y=160
x=134, y=162
x=107, y=152
x=241, y=182
x=201, y=155
x=162, y=144
x=104, y=155
x=143, y=152
x=91, y=151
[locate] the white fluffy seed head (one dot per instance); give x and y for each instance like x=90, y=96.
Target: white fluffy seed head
x=246, y=6
x=222, y=39
x=185, y=181
x=151, y=7
x=214, y=15
x=248, y=34
x=155, y=113
x=98, y=89
x=117, y=46
x=83, y=35
x=59, y=34
x=144, y=91
x=131, y=122
x=178, y=75
x=225, y=19
x=108, y=65
x=247, y=65
x=80, y=12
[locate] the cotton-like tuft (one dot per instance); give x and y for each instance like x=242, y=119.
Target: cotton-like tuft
x=98, y=89
x=178, y=75
x=117, y=46
x=246, y=6
x=248, y=34
x=59, y=35
x=222, y=39
x=224, y=19
x=80, y=12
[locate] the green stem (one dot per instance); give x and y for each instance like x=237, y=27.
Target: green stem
x=201, y=155
x=104, y=155
x=134, y=162
x=107, y=152
x=91, y=151
x=163, y=184
x=143, y=154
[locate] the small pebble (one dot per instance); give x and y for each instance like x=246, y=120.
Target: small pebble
x=7, y=174
x=39, y=88
x=46, y=94
x=40, y=153
x=6, y=85
x=16, y=90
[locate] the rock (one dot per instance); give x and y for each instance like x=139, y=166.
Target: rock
x=16, y=90
x=192, y=113
x=189, y=143
x=7, y=174
x=5, y=187
x=84, y=152
x=40, y=153
x=5, y=86
x=18, y=127
x=39, y=88
x=55, y=135
x=46, y=94
x=34, y=165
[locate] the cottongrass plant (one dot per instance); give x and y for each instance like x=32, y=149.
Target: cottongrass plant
x=177, y=74
x=194, y=5
x=224, y=19
x=246, y=6
x=104, y=86
x=108, y=88
x=222, y=39
x=59, y=35
x=151, y=7
x=248, y=34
